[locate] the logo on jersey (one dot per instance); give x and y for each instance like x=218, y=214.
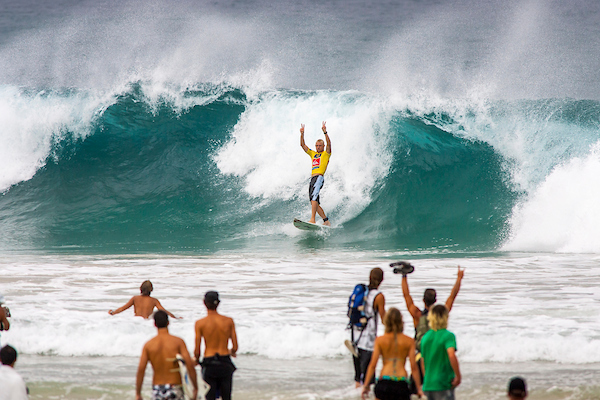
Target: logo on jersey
x=316, y=163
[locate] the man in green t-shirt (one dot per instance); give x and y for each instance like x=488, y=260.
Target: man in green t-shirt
x=438, y=348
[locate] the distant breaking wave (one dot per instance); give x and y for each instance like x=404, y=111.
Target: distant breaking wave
x=214, y=167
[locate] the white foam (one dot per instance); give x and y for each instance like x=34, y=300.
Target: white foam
x=295, y=306
x=265, y=148
x=562, y=213
x=33, y=122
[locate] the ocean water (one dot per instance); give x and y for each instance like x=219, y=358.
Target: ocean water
x=152, y=140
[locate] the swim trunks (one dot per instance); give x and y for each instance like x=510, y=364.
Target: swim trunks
x=314, y=188
x=319, y=161
x=387, y=389
x=217, y=371
x=167, y=392
x=440, y=395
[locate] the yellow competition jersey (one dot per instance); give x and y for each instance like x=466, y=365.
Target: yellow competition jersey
x=319, y=161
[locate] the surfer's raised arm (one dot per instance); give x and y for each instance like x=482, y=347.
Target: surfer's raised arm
x=302, y=143
x=324, y=128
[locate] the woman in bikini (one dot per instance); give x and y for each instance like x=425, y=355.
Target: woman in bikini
x=394, y=347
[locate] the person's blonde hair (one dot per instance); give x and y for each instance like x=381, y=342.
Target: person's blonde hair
x=393, y=321
x=320, y=141
x=146, y=288
x=438, y=317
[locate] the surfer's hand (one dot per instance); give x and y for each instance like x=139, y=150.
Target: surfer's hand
x=138, y=397
x=461, y=273
x=324, y=128
x=302, y=129
x=110, y=312
x=420, y=393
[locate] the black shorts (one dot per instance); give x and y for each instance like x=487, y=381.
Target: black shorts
x=392, y=390
x=316, y=183
x=217, y=371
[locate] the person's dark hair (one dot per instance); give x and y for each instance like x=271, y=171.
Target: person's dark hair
x=429, y=297
x=146, y=288
x=211, y=300
x=517, y=388
x=8, y=354
x=161, y=319
x=375, y=278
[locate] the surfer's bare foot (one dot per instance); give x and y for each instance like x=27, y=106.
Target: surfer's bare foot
x=327, y=223
x=312, y=221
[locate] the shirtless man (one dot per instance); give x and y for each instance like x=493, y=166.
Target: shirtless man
x=217, y=330
x=429, y=299
x=320, y=160
x=161, y=351
x=143, y=305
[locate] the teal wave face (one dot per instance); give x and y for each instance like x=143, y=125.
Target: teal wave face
x=442, y=192
x=152, y=178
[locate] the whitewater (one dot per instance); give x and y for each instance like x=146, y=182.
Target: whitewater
x=158, y=141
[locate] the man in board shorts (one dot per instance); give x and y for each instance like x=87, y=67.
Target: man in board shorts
x=217, y=331
x=320, y=160
x=161, y=352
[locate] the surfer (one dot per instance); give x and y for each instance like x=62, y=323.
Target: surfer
x=320, y=160
x=143, y=305
x=394, y=348
x=12, y=384
x=438, y=348
x=217, y=330
x=365, y=339
x=161, y=351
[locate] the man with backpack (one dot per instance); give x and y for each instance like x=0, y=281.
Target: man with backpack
x=365, y=304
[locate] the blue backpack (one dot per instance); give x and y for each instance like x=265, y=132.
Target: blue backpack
x=356, y=307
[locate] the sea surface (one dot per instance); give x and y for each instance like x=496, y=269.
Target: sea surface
x=160, y=140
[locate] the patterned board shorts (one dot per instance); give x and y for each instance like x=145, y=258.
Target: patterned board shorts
x=167, y=392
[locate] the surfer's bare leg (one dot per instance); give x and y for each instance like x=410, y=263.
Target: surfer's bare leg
x=313, y=212
x=322, y=215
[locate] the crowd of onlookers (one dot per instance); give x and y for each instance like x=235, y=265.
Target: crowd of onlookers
x=435, y=370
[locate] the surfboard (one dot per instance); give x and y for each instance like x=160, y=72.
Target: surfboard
x=186, y=382
x=307, y=226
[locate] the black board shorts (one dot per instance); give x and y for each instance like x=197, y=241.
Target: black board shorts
x=314, y=188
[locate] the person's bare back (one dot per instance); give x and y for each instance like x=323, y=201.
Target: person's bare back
x=143, y=305
x=216, y=330
x=161, y=351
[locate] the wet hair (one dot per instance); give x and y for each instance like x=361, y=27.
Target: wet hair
x=161, y=319
x=146, y=288
x=211, y=300
x=393, y=321
x=517, y=388
x=375, y=278
x=429, y=297
x=320, y=140
x=8, y=354
x=438, y=317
